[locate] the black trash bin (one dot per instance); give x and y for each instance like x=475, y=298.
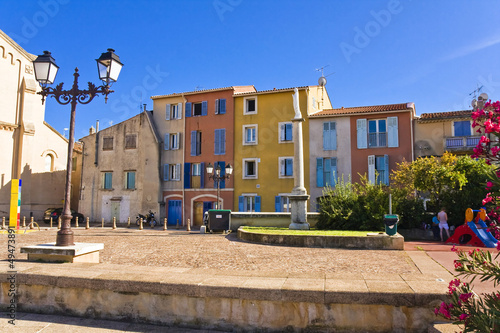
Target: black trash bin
x=391, y=224
x=219, y=220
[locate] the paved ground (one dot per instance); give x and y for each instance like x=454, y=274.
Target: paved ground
x=178, y=248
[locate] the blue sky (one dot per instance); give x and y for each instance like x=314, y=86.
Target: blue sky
x=432, y=53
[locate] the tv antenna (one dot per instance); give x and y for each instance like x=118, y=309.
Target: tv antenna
x=479, y=102
x=198, y=88
x=322, y=79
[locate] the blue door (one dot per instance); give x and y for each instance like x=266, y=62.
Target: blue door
x=206, y=206
x=174, y=212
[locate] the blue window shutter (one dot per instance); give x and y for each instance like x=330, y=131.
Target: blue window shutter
x=202, y=175
x=222, y=173
x=241, y=205
x=188, y=109
x=187, y=175
x=277, y=204
x=165, y=171
x=108, y=180
x=333, y=173
x=217, y=142
x=222, y=106
x=386, y=167
x=167, y=112
x=166, y=142
x=289, y=167
x=333, y=135
x=326, y=136
x=193, y=143
x=288, y=132
x=223, y=141
x=392, y=132
x=130, y=180
x=217, y=104
x=319, y=172
x=215, y=167
x=204, y=108
x=257, y=203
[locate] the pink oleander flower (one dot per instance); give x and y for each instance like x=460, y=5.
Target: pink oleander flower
x=465, y=297
x=489, y=185
x=463, y=316
x=457, y=264
x=495, y=150
x=454, y=249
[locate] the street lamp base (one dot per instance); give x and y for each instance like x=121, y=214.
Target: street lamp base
x=65, y=235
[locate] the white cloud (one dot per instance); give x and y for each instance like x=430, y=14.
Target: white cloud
x=462, y=52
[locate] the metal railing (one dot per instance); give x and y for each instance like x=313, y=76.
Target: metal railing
x=462, y=142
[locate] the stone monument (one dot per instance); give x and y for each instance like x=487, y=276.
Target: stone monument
x=298, y=197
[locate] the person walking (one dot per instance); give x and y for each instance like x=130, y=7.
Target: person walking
x=443, y=223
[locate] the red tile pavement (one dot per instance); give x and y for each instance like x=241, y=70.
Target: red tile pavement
x=443, y=255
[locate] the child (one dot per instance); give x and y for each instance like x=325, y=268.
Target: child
x=443, y=223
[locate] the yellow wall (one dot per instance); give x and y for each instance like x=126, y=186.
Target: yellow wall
x=272, y=108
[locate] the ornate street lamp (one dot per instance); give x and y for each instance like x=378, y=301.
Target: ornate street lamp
x=109, y=67
x=216, y=176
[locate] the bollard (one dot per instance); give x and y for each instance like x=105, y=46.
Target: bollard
x=51, y=223
x=128, y=222
x=59, y=223
x=3, y=222
x=31, y=223
x=188, y=225
x=114, y=223
x=88, y=223
x=76, y=222
x=24, y=221
x=165, y=224
x=102, y=223
x=140, y=225
x=177, y=225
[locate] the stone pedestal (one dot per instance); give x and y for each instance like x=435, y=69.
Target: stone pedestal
x=80, y=252
x=298, y=204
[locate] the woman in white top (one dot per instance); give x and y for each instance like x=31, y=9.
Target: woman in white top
x=443, y=223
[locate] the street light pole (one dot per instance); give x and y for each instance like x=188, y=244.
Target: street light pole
x=109, y=67
x=217, y=177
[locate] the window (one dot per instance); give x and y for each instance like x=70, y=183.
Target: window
x=196, y=169
x=462, y=128
x=249, y=203
x=49, y=162
x=172, y=141
x=378, y=169
x=286, y=132
x=377, y=133
x=73, y=164
x=107, y=143
x=285, y=167
x=171, y=172
x=326, y=171
x=220, y=141
x=195, y=143
x=220, y=106
x=250, y=168
x=329, y=135
x=130, y=180
x=250, y=105
x=131, y=141
x=107, y=180
x=173, y=111
x=250, y=134
x=196, y=109
x=282, y=203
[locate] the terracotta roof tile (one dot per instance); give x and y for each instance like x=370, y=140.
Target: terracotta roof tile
x=252, y=88
x=271, y=91
x=445, y=115
x=363, y=109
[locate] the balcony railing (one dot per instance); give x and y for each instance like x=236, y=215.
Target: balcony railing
x=462, y=142
x=378, y=139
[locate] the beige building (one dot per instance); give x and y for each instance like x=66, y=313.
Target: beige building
x=121, y=171
x=451, y=131
x=31, y=149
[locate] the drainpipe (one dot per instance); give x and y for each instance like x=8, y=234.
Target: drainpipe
x=18, y=141
x=184, y=156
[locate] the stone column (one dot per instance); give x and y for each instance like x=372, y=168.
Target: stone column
x=298, y=197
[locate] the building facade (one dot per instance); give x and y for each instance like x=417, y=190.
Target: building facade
x=121, y=170
x=451, y=131
x=264, y=148
x=356, y=141
x=32, y=150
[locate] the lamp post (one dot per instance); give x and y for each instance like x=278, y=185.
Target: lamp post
x=109, y=67
x=217, y=177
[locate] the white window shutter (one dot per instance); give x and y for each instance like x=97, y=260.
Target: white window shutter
x=177, y=171
x=167, y=112
x=392, y=132
x=179, y=110
x=282, y=132
x=166, y=143
x=362, y=133
x=371, y=169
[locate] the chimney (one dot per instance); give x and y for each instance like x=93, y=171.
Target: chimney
x=91, y=130
x=144, y=107
x=97, y=125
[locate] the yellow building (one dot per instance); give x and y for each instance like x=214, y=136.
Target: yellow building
x=263, y=146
